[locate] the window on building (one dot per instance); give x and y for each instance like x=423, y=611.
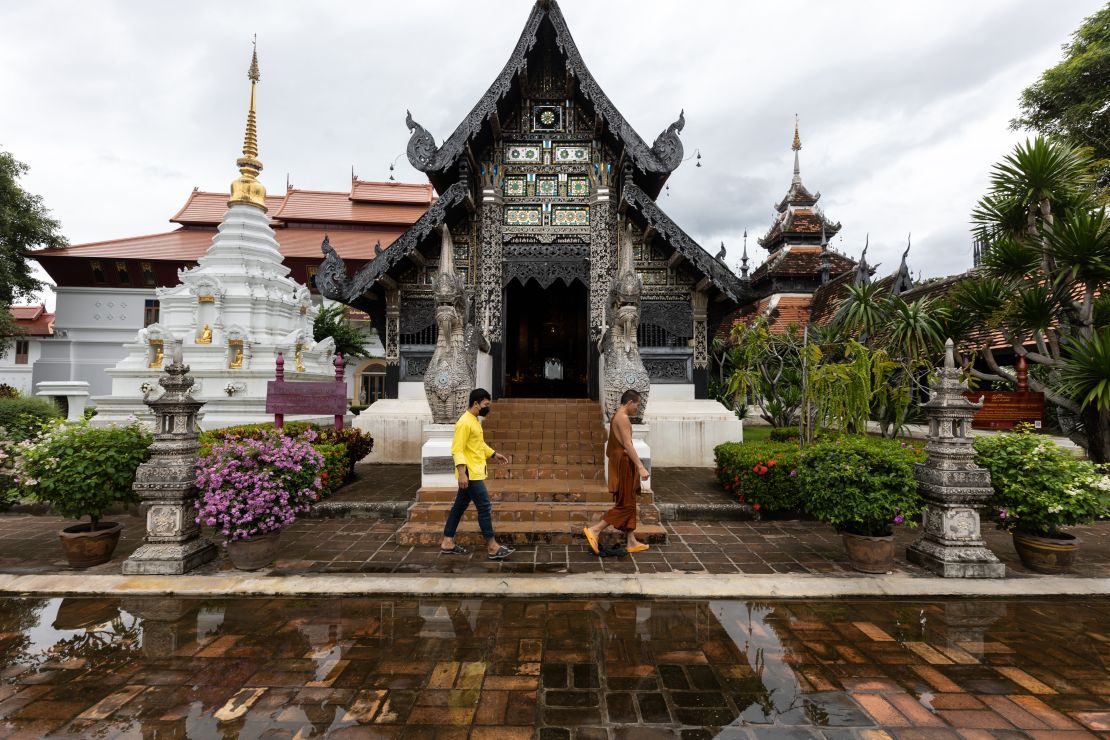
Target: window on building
x=98, y=272
x=123, y=272
x=22, y=351
x=151, y=310
x=310, y=271
x=371, y=383
x=148, y=275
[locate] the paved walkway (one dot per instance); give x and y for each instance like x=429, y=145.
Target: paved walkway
x=29, y=545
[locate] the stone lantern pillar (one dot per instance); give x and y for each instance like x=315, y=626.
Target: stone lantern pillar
x=953, y=486
x=167, y=482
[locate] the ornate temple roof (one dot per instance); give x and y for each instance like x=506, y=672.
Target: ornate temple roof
x=799, y=261
x=797, y=220
x=652, y=164
x=33, y=321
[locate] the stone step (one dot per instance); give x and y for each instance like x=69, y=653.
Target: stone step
x=556, y=496
x=539, y=513
x=521, y=533
x=545, y=472
x=540, y=447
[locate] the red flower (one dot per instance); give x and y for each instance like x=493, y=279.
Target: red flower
x=772, y=463
x=756, y=468
x=755, y=506
x=762, y=470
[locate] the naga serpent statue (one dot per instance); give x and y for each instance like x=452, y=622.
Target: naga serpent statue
x=452, y=371
x=624, y=369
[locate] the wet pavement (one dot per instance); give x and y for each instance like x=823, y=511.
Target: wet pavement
x=29, y=545
x=167, y=668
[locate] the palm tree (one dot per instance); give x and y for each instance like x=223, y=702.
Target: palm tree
x=1046, y=262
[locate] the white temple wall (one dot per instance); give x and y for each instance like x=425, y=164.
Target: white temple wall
x=91, y=325
x=18, y=375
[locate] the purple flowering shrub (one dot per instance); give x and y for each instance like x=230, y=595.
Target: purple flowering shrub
x=251, y=487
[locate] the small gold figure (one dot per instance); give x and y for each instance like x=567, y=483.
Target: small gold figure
x=237, y=355
x=159, y=354
x=298, y=362
x=205, y=335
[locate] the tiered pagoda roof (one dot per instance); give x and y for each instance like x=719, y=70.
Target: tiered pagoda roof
x=797, y=219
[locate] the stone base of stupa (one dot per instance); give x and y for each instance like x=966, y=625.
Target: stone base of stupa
x=169, y=559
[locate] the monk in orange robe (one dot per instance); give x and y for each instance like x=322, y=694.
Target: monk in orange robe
x=626, y=470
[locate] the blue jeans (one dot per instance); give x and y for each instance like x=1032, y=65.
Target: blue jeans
x=477, y=493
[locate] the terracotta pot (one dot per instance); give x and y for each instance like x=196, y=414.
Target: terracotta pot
x=254, y=553
x=870, y=554
x=1046, y=554
x=85, y=548
x=76, y=613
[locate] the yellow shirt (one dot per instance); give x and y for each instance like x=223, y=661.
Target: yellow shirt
x=469, y=447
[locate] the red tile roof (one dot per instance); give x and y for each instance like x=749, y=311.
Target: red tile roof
x=800, y=260
x=392, y=192
x=782, y=310
x=329, y=207
x=33, y=320
x=188, y=245
x=208, y=209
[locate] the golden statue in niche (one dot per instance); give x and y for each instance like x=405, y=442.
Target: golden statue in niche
x=298, y=361
x=236, y=347
x=205, y=335
x=159, y=353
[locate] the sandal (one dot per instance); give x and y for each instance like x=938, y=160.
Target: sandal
x=456, y=550
x=639, y=548
x=501, y=554
x=591, y=538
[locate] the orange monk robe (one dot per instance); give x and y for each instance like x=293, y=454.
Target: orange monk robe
x=624, y=484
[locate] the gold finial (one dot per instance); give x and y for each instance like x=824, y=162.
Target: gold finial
x=246, y=189
x=797, y=139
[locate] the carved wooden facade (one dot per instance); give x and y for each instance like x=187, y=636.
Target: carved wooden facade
x=534, y=184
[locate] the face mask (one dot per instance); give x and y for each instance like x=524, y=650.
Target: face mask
x=484, y=411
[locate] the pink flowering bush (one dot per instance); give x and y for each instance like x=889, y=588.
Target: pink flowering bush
x=253, y=487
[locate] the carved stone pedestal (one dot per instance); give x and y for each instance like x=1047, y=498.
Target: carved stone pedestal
x=437, y=466
x=167, y=483
x=953, y=486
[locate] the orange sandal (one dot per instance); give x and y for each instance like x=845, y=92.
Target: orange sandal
x=638, y=548
x=591, y=538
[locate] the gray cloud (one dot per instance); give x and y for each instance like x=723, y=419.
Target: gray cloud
x=121, y=108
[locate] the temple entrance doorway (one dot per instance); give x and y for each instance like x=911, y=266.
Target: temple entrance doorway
x=546, y=340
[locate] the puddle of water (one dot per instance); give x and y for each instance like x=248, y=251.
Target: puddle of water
x=168, y=667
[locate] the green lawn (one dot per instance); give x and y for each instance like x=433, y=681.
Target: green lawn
x=757, y=433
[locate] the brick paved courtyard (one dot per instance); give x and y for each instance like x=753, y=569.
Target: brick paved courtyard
x=561, y=670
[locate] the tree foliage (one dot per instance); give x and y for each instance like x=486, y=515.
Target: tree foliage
x=767, y=367
x=1071, y=100
x=331, y=321
x=25, y=224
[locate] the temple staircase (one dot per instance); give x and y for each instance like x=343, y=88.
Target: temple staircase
x=553, y=485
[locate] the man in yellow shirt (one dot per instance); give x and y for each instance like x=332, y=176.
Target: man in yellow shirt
x=470, y=452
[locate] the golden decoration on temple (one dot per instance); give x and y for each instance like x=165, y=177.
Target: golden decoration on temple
x=298, y=360
x=206, y=299
x=246, y=189
x=205, y=335
x=159, y=353
x=797, y=139
x=235, y=347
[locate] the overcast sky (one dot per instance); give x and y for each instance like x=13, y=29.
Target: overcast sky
x=121, y=108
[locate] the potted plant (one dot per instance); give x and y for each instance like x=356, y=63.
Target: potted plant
x=82, y=471
x=1039, y=489
x=250, y=489
x=863, y=487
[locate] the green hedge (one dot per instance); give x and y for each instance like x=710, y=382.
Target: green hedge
x=853, y=482
x=861, y=485
x=334, y=474
x=764, y=474
x=785, y=434
x=22, y=417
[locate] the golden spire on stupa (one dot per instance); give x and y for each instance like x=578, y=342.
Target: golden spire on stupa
x=797, y=139
x=246, y=189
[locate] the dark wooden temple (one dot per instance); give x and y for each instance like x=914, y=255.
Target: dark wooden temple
x=533, y=185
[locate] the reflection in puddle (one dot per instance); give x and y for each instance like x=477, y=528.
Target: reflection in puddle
x=378, y=668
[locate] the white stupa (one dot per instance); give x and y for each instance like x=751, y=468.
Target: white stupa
x=233, y=314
